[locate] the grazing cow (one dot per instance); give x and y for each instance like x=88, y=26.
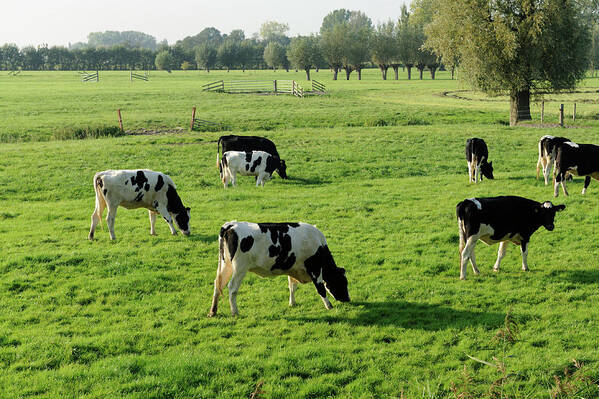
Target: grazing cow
x=132, y=189
x=250, y=143
x=477, y=156
x=578, y=160
x=548, y=146
x=298, y=250
x=500, y=220
x=251, y=163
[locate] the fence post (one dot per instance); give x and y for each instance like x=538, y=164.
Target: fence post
x=275, y=85
x=118, y=111
x=542, y=111
x=98, y=79
x=574, y=113
x=561, y=115
x=131, y=75
x=193, y=117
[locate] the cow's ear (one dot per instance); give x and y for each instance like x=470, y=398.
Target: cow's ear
x=188, y=209
x=560, y=208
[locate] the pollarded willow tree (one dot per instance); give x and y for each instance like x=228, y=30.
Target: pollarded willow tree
x=514, y=47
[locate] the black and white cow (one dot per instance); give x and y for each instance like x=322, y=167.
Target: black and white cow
x=251, y=163
x=249, y=143
x=548, y=146
x=132, y=189
x=298, y=250
x=477, y=156
x=500, y=220
x=578, y=160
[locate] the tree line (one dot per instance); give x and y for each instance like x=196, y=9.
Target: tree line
x=347, y=41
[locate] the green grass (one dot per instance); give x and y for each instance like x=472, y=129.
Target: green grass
x=128, y=318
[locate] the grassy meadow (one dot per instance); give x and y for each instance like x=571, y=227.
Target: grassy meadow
x=377, y=166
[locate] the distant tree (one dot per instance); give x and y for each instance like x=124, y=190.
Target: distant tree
x=332, y=44
x=11, y=57
x=206, y=56
x=272, y=31
x=514, y=47
x=274, y=55
x=208, y=35
x=32, y=60
x=594, y=55
x=228, y=53
x=334, y=18
x=301, y=53
x=409, y=40
x=186, y=66
x=249, y=52
x=384, y=46
x=165, y=61
x=132, y=39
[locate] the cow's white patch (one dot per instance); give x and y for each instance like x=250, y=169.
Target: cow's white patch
x=571, y=144
x=476, y=202
x=547, y=136
x=547, y=205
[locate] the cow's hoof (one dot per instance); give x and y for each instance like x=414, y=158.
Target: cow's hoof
x=525, y=269
x=462, y=277
x=495, y=269
x=211, y=314
x=90, y=237
x=476, y=272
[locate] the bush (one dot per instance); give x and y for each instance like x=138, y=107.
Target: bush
x=89, y=132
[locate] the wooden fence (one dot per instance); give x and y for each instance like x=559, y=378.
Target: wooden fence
x=88, y=77
x=255, y=86
x=318, y=87
x=203, y=124
x=14, y=73
x=136, y=75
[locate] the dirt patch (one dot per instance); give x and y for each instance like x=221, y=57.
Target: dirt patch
x=159, y=130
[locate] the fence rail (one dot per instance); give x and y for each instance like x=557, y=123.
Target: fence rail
x=14, y=73
x=136, y=75
x=255, y=86
x=203, y=124
x=318, y=87
x=88, y=77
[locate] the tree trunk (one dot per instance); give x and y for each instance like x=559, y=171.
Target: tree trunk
x=452, y=72
x=317, y=69
x=383, y=69
x=207, y=70
x=307, y=73
x=409, y=72
x=395, y=71
x=519, y=106
x=347, y=72
x=359, y=69
x=420, y=70
x=335, y=71
x=433, y=71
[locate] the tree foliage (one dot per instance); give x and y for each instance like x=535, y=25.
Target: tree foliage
x=302, y=53
x=132, y=39
x=274, y=55
x=516, y=47
x=206, y=56
x=165, y=60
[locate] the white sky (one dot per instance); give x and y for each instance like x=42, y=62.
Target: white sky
x=58, y=22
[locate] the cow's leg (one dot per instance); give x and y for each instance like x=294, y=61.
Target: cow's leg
x=323, y=293
x=547, y=165
x=167, y=218
x=473, y=264
x=524, y=249
x=500, y=255
x=223, y=274
x=152, y=215
x=233, y=176
x=96, y=215
x=236, y=278
x=467, y=252
x=110, y=217
x=292, y=287
x=469, y=172
x=587, y=181
x=259, y=181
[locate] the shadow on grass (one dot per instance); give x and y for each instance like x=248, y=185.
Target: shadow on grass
x=413, y=316
x=311, y=181
x=580, y=276
x=202, y=237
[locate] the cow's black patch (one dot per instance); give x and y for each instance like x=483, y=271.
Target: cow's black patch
x=273, y=251
x=256, y=163
x=159, y=183
x=139, y=179
x=126, y=182
x=281, y=244
x=155, y=204
x=147, y=187
x=247, y=167
x=139, y=196
x=175, y=206
x=104, y=191
x=246, y=243
x=99, y=182
x=231, y=238
x=248, y=156
x=272, y=164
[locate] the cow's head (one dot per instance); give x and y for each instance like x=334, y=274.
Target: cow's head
x=282, y=170
x=336, y=283
x=182, y=220
x=487, y=169
x=546, y=214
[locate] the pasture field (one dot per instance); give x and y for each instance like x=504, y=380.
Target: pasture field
x=128, y=318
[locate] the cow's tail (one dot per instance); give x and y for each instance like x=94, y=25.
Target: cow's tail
x=461, y=215
x=225, y=267
x=218, y=152
x=540, y=161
